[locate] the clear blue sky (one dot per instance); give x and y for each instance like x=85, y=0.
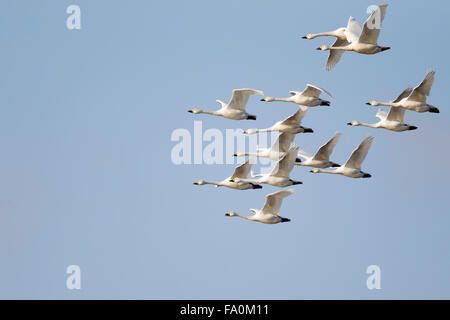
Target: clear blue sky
x=85, y=171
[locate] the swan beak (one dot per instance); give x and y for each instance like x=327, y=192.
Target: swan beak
x=233, y=180
x=263, y=99
x=370, y=103
x=321, y=48
x=236, y=154
x=308, y=36
x=314, y=171
x=191, y=111
x=351, y=123
x=227, y=214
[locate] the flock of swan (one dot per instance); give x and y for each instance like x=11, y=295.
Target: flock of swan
x=351, y=38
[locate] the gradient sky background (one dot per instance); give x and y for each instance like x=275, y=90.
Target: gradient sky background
x=86, y=176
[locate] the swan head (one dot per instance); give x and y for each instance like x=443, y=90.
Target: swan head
x=194, y=111
x=267, y=99
x=372, y=103
x=249, y=131
x=353, y=123
x=230, y=214
x=308, y=36
x=199, y=182
x=315, y=171
x=237, y=154
x=323, y=48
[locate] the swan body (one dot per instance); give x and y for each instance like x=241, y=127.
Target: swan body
x=279, y=177
x=239, y=172
x=352, y=168
x=235, y=109
x=276, y=151
x=366, y=41
x=269, y=213
x=288, y=125
x=322, y=157
x=415, y=99
x=308, y=97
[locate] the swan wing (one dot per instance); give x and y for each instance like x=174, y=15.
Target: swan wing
x=303, y=154
x=358, y=155
x=353, y=30
x=242, y=170
x=284, y=166
x=314, y=91
x=381, y=114
x=335, y=55
x=283, y=142
x=296, y=118
x=404, y=94
x=274, y=200
x=420, y=92
x=240, y=97
x=326, y=150
x=396, y=114
x=372, y=26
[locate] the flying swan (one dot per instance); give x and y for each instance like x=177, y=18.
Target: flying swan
x=322, y=157
x=269, y=213
x=414, y=100
x=235, y=109
x=308, y=97
x=289, y=125
x=239, y=172
x=352, y=168
x=279, y=177
x=276, y=151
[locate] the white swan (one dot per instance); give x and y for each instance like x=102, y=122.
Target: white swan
x=308, y=97
x=322, y=157
x=235, y=109
x=414, y=100
x=276, y=151
x=392, y=120
x=352, y=168
x=289, y=125
x=279, y=177
x=366, y=42
x=269, y=213
x=239, y=172
x=344, y=36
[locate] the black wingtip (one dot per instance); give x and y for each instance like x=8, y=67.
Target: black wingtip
x=251, y=117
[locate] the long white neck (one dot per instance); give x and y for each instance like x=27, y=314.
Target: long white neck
x=323, y=34
x=243, y=217
x=370, y=125
x=216, y=183
x=346, y=48
x=282, y=99
x=329, y=171
x=215, y=113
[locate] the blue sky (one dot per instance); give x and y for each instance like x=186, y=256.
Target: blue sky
x=87, y=179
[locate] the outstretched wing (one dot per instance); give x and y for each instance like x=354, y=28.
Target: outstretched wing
x=381, y=114
x=242, y=170
x=353, y=30
x=314, y=91
x=296, y=118
x=274, y=200
x=240, y=97
x=421, y=92
x=358, y=155
x=335, y=55
x=404, y=94
x=284, y=166
x=283, y=142
x=396, y=114
x=324, y=152
x=372, y=26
